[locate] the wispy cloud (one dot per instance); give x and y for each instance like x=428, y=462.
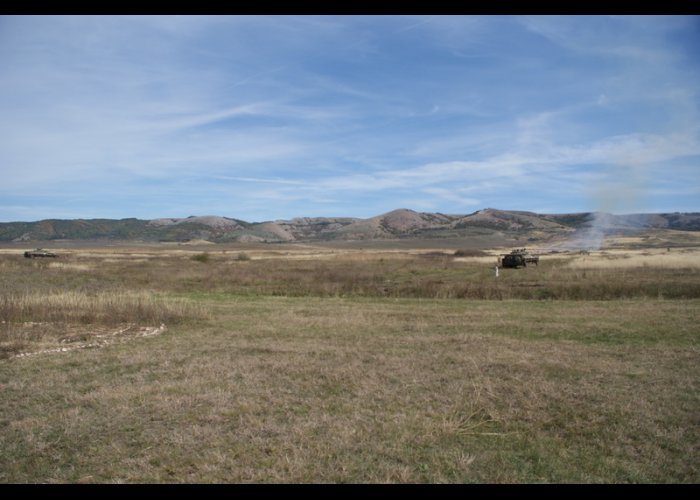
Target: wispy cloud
x=265, y=117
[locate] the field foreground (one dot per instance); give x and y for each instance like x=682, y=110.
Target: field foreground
x=320, y=366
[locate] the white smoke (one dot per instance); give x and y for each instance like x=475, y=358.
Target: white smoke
x=623, y=191
x=592, y=235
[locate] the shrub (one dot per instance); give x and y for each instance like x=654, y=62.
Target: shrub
x=470, y=253
x=201, y=257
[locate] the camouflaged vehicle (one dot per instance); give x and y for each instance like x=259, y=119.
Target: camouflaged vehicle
x=518, y=258
x=39, y=252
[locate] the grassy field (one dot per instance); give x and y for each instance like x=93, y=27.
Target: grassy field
x=317, y=364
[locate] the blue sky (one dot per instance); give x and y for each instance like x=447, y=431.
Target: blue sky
x=273, y=117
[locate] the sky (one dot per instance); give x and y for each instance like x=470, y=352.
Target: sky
x=273, y=117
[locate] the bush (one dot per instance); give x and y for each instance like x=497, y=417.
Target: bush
x=470, y=253
x=201, y=257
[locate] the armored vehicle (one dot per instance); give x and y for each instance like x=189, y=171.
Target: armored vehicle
x=39, y=252
x=518, y=258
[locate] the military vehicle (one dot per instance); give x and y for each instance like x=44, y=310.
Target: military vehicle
x=39, y=252
x=518, y=258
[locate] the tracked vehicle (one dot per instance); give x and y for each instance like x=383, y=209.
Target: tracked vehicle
x=518, y=258
x=39, y=252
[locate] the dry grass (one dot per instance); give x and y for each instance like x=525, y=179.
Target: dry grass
x=337, y=390
x=658, y=238
x=420, y=274
x=69, y=267
x=348, y=368
x=679, y=260
x=36, y=321
x=101, y=308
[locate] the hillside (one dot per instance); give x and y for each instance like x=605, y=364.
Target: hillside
x=397, y=223
x=587, y=228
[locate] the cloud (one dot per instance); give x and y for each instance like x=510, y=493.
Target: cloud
x=454, y=196
x=343, y=111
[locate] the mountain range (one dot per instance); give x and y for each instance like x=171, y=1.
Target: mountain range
x=397, y=224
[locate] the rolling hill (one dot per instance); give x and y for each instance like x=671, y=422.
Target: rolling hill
x=397, y=224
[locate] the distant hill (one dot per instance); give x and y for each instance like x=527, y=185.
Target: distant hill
x=397, y=224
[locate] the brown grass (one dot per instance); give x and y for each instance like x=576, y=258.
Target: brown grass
x=599, y=276
x=337, y=390
x=101, y=308
x=689, y=261
x=375, y=367
x=34, y=321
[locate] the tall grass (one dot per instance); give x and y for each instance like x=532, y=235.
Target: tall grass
x=658, y=261
x=442, y=278
x=105, y=308
x=400, y=276
x=32, y=320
